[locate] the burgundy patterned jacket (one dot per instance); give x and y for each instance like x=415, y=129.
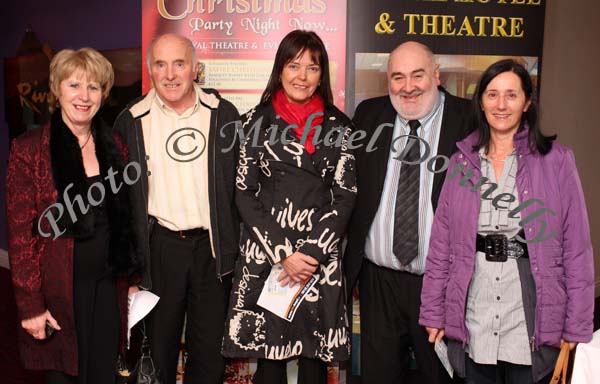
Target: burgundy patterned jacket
x=42, y=267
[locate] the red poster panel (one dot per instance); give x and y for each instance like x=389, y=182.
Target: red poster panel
x=236, y=40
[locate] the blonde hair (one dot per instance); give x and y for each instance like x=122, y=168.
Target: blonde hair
x=87, y=60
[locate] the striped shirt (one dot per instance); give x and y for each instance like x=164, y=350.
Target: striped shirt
x=178, y=190
x=495, y=316
x=380, y=240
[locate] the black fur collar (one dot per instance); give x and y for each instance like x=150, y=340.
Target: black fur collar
x=68, y=170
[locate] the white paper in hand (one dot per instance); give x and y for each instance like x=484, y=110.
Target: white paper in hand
x=280, y=300
x=442, y=352
x=139, y=305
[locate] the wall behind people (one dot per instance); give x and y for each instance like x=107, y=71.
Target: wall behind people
x=101, y=24
x=569, y=95
x=569, y=92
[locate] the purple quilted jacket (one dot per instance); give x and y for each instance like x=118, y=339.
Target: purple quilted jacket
x=556, y=228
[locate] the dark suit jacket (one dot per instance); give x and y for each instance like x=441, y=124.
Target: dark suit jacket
x=372, y=166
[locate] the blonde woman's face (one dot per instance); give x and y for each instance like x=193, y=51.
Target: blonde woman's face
x=79, y=99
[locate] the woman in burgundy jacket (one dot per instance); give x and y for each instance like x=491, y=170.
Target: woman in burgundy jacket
x=70, y=246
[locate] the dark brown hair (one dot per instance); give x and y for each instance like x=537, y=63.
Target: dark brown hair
x=293, y=45
x=537, y=141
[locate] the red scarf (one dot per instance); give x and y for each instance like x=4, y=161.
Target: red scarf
x=299, y=115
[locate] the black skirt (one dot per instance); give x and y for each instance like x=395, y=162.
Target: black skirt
x=95, y=306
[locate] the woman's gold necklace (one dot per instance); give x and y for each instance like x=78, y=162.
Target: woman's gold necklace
x=87, y=140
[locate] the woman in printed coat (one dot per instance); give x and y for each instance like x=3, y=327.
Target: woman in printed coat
x=507, y=310
x=295, y=193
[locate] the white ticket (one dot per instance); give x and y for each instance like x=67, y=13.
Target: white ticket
x=280, y=300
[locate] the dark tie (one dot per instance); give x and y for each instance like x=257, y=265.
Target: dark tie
x=406, y=214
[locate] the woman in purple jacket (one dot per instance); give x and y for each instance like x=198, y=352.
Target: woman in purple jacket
x=509, y=273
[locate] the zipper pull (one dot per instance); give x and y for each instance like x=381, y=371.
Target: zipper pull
x=532, y=343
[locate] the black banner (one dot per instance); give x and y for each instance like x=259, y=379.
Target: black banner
x=494, y=28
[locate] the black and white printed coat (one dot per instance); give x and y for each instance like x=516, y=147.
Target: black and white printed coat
x=291, y=201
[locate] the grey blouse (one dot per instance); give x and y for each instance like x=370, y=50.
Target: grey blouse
x=495, y=316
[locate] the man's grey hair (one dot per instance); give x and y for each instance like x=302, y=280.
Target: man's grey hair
x=188, y=43
x=424, y=47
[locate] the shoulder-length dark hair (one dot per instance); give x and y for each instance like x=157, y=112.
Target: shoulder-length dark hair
x=293, y=45
x=537, y=141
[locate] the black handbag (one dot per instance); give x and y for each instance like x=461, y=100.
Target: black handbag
x=145, y=371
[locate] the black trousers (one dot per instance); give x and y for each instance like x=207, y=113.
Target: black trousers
x=184, y=277
x=310, y=371
x=502, y=373
x=389, y=313
x=57, y=377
